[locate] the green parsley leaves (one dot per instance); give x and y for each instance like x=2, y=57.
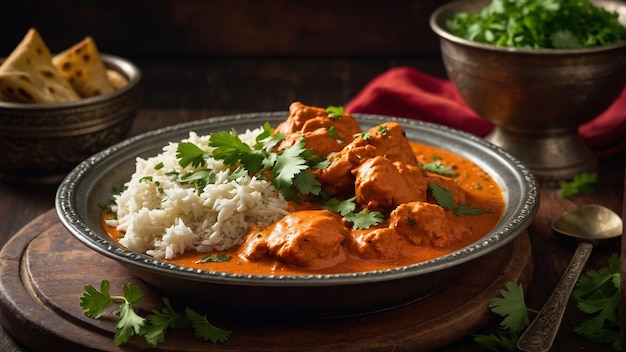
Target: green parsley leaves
x=537, y=24
x=153, y=327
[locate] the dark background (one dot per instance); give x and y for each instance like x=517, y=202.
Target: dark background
x=198, y=54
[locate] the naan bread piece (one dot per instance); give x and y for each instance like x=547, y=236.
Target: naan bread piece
x=82, y=66
x=117, y=79
x=28, y=75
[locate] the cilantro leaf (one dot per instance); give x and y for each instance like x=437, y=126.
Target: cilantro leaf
x=597, y=293
x=344, y=207
x=465, y=209
x=153, y=327
x=582, y=183
x=442, y=196
x=188, y=153
x=158, y=322
x=93, y=301
x=438, y=168
x=288, y=165
x=445, y=200
x=335, y=111
x=228, y=147
x=219, y=258
x=364, y=219
x=511, y=306
x=205, y=330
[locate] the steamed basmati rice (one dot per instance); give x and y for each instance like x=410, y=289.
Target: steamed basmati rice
x=164, y=218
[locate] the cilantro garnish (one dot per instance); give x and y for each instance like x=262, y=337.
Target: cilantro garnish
x=361, y=220
x=382, y=130
x=438, y=168
x=335, y=111
x=344, y=207
x=513, y=308
x=445, y=200
x=582, y=183
x=535, y=24
x=365, y=135
x=219, y=258
x=364, y=218
x=332, y=132
x=189, y=153
x=597, y=293
x=153, y=327
x=289, y=168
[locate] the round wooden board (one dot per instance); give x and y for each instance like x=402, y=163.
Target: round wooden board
x=43, y=271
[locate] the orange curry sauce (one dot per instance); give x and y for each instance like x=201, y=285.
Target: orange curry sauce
x=481, y=192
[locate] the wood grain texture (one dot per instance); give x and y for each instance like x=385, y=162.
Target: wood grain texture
x=39, y=301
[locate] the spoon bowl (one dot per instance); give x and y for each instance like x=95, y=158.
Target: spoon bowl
x=592, y=223
x=589, y=225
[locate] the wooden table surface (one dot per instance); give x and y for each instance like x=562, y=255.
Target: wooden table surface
x=185, y=90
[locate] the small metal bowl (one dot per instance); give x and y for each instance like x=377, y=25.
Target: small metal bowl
x=41, y=143
x=293, y=296
x=537, y=98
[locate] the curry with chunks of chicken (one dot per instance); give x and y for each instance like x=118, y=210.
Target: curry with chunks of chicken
x=354, y=200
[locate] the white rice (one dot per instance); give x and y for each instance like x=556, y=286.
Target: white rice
x=163, y=218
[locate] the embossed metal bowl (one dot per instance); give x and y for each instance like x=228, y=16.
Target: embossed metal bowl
x=92, y=182
x=41, y=143
x=536, y=98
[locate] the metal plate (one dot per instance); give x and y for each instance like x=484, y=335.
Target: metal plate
x=296, y=296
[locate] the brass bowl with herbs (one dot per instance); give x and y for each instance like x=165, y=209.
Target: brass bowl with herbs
x=536, y=81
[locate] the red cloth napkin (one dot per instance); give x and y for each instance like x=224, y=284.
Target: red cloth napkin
x=407, y=92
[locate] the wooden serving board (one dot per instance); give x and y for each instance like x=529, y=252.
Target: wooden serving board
x=43, y=271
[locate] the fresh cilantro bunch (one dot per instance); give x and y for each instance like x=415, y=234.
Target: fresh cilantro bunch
x=153, y=327
x=597, y=293
x=540, y=24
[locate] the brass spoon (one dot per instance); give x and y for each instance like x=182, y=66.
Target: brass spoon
x=590, y=225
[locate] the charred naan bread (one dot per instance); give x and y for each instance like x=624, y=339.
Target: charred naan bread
x=83, y=68
x=28, y=75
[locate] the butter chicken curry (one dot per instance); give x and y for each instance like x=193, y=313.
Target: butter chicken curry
x=428, y=202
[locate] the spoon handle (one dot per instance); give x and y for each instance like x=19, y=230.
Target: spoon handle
x=539, y=336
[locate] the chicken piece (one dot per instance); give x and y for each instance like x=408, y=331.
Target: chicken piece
x=382, y=185
x=390, y=141
x=458, y=193
x=337, y=177
x=425, y=224
x=322, y=134
x=378, y=243
x=307, y=238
